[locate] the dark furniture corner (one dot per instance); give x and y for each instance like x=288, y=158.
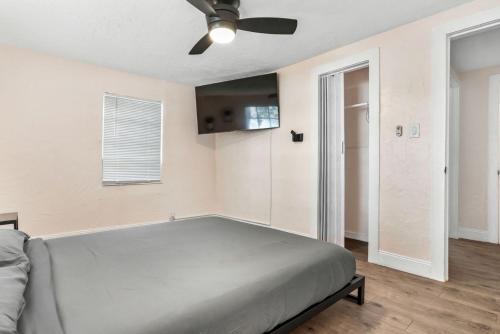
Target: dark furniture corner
x=9, y=219
x=357, y=283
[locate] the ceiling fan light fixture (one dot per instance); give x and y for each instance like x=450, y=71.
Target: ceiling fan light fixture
x=222, y=32
x=223, y=20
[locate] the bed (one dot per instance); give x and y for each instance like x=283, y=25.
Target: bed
x=205, y=275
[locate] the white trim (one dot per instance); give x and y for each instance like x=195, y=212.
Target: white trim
x=374, y=157
x=127, y=226
x=246, y=221
x=372, y=59
x=440, y=84
x=111, y=228
x=407, y=264
x=473, y=234
x=494, y=110
x=356, y=236
x=242, y=220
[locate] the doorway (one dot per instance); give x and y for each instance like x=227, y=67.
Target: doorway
x=472, y=157
x=441, y=132
x=348, y=147
x=356, y=130
x=473, y=141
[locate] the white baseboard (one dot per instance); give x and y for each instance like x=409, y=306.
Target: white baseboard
x=403, y=263
x=242, y=220
x=473, y=234
x=166, y=220
x=264, y=225
x=111, y=228
x=356, y=236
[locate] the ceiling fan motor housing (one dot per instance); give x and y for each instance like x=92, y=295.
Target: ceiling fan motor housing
x=227, y=14
x=233, y=3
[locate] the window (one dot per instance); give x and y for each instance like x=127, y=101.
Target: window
x=131, y=140
x=262, y=117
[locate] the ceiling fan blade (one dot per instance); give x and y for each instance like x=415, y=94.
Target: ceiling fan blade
x=203, y=6
x=268, y=25
x=202, y=45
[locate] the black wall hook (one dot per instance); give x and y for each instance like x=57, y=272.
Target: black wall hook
x=297, y=137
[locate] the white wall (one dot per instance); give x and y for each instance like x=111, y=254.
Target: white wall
x=473, y=165
x=50, y=147
x=356, y=155
x=405, y=164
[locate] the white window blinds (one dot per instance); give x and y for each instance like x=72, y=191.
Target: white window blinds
x=131, y=140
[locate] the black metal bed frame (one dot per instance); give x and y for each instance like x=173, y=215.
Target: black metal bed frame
x=357, y=283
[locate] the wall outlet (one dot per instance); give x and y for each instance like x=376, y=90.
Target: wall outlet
x=414, y=130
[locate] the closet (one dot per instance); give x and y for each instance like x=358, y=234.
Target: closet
x=356, y=134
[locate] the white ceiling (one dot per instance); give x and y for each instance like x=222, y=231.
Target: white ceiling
x=476, y=51
x=153, y=37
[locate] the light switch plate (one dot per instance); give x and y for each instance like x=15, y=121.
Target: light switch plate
x=414, y=130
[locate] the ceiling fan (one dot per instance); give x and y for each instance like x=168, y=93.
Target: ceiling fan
x=223, y=19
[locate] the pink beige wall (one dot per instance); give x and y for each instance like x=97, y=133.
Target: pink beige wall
x=473, y=165
x=50, y=147
x=405, y=164
x=50, y=142
x=243, y=175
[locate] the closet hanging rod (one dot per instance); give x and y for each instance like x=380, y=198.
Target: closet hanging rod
x=359, y=105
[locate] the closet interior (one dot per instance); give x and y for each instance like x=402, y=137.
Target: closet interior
x=356, y=130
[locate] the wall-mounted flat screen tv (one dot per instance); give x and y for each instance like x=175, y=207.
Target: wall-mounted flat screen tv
x=243, y=104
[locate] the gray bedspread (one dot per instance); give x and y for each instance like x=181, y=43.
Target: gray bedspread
x=205, y=275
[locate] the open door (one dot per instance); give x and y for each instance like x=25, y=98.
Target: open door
x=453, y=159
x=337, y=232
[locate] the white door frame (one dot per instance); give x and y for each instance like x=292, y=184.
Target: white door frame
x=493, y=165
x=370, y=58
x=440, y=103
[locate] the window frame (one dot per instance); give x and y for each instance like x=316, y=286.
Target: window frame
x=162, y=115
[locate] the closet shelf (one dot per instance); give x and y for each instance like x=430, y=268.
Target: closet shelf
x=358, y=105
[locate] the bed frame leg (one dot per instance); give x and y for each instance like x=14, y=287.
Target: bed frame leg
x=358, y=283
x=360, y=298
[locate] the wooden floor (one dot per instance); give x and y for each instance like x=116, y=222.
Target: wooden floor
x=358, y=248
x=402, y=303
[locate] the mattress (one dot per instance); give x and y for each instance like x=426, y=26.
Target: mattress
x=204, y=275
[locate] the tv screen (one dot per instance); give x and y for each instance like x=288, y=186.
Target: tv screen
x=244, y=104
